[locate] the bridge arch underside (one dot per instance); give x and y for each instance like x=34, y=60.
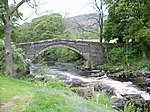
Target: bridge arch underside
x=62, y=46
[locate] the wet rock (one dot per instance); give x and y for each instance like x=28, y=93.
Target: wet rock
x=41, y=77
x=148, y=105
x=76, y=82
x=119, y=105
x=148, y=89
x=121, y=76
x=147, y=74
x=97, y=74
x=144, y=72
x=31, y=80
x=138, y=80
x=85, y=92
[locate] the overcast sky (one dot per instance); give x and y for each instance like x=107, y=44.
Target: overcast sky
x=67, y=8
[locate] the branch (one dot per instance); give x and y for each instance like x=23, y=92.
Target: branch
x=5, y=2
x=98, y=8
x=79, y=25
x=14, y=1
x=5, y=5
x=1, y=15
x=18, y=5
x=82, y=28
x=35, y=5
x=26, y=17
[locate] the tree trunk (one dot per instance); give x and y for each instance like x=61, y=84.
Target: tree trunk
x=8, y=49
x=107, y=54
x=144, y=55
x=101, y=20
x=127, y=45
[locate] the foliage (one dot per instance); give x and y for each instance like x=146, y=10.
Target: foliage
x=121, y=60
x=60, y=54
x=7, y=19
x=120, y=55
x=129, y=107
x=19, y=59
x=116, y=54
x=140, y=63
x=102, y=98
x=18, y=56
x=15, y=18
x=42, y=28
x=129, y=21
x=51, y=83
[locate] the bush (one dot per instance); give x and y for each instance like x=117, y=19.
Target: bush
x=103, y=99
x=51, y=83
x=18, y=58
x=116, y=54
x=129, y=107
x=141, y=63
x=119, y=55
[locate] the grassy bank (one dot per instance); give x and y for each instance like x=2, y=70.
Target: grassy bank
x=18, y=95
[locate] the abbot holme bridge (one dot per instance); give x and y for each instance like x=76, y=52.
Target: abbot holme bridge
x=90, y=51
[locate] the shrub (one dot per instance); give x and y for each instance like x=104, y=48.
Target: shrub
x=51, y=83
x=103, y=99
x=116, y=54
x=18, y=57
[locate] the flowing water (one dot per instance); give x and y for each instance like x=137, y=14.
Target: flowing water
x=65, y=71
x=70, y=74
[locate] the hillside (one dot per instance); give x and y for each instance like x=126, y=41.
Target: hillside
x=87, y=21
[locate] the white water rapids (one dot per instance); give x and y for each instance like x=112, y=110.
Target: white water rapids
x=120, y=88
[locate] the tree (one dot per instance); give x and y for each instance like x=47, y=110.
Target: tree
x=116, y=26
x=140, y=25
x=6, y=15
x=94, y=21
x=129, y=20
x=98, y=6
x=50, y=26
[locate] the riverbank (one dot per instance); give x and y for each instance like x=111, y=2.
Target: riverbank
x=19, y=95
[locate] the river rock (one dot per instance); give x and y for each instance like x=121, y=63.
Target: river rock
x=85, y=92
x=76, y=82
x=144, y=72
x=121, y=76
x=119, y=105
x=148, y=89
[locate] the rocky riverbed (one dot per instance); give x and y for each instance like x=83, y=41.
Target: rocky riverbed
x=85, y=83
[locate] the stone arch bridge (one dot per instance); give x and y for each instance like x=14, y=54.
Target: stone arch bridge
x=90, y=51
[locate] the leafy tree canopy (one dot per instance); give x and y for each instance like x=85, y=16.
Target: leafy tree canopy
x=128, y=20
x=45, y=27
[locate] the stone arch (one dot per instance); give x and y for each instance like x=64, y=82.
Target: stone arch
x=61, y=45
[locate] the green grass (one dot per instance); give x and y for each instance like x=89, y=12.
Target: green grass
x=88, y=40
x=18, y=95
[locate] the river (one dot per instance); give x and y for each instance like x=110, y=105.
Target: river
x=70, y=74
x=67, y=72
